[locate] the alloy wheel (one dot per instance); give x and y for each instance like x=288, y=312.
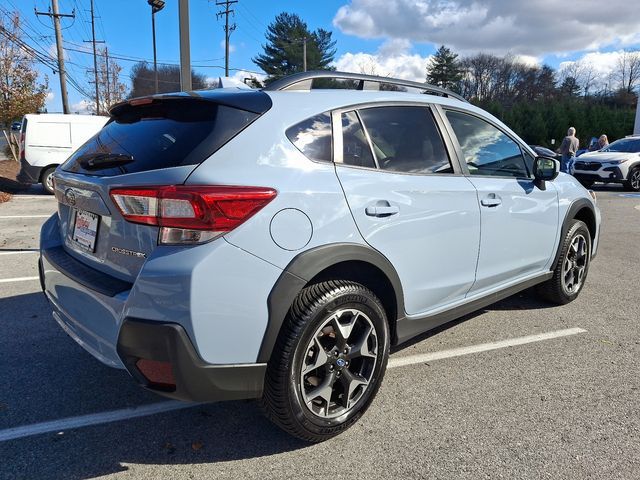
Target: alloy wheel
x=634, y=181
x=339, y=363
x=575, y=264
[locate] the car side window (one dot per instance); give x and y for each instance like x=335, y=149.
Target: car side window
x=355, y=146
x=313, y=137
x=487, y=150
x=406, y=139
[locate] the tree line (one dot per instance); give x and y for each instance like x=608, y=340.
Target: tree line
x=540, y=103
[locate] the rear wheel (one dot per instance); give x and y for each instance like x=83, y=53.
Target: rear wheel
x=328, y=362
x=47, y=180
x=571, y=271
x=633, y=182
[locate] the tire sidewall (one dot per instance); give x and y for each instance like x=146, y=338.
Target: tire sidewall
x=47, y=173
x=631, y=173
x=372, y=308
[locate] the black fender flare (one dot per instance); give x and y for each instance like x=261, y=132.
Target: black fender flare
x=305, y=267
x=575, y=207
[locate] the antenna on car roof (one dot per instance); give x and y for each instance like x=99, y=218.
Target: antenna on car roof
x=304, y=81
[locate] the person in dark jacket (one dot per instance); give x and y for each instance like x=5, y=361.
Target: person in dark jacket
x=568, y=148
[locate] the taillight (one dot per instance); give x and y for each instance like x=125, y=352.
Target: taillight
x=22, y=156
x=191, y=214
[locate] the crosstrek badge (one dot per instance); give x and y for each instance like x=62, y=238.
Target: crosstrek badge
x=129, y=253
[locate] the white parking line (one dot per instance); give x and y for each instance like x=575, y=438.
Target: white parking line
x=483, y=347
x=91, y=419
x=24, y=216
x=18, y=279
x=18, y=252
x=145, y=410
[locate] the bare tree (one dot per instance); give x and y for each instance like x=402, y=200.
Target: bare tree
x=628, y=70
x=110, y=89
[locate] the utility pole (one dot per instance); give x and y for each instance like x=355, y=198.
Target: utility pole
x=226, y=4
x=304, y=54
x=95, y=56
x=156, y=6
x=185, y=49
x=106, y=59
x=56, y=15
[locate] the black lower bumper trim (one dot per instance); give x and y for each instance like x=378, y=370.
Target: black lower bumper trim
x=196, y=380
x=28, y=173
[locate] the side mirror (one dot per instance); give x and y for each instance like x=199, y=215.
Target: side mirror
x=545, y=169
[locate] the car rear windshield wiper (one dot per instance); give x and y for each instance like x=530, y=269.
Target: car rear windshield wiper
x=98, y=161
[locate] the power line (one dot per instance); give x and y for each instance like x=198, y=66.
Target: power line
x=93, y=41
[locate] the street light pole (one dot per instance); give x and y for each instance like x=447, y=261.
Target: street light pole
x=156, y=6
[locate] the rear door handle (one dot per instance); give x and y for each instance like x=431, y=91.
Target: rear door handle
x=381, y=209
x=491, y=200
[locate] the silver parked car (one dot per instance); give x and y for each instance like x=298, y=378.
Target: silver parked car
x=274, y=244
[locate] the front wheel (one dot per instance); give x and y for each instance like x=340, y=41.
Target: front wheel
x=328, y=362
x=571, y=270
x=633, y=183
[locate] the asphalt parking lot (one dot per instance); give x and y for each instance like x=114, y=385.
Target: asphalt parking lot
x=557, y=397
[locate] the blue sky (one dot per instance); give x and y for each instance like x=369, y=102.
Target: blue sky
x=385, y=37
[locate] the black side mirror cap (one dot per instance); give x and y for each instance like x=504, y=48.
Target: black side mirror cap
x=545, y=169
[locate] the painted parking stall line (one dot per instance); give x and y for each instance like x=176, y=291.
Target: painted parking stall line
x=20, y=252
x=8, y=217
x=162, y=407
x=91, y=419
x=484, y=347
x=18, y=279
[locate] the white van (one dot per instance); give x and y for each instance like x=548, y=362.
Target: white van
x=47, y=140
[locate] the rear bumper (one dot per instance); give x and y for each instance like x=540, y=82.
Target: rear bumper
x=28, y=173
x=195, y=380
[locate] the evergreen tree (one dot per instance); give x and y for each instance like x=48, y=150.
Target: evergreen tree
x=444, y=69
x=570, y=87
x=284, y=51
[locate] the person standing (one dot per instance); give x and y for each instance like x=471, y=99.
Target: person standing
x=568, y=149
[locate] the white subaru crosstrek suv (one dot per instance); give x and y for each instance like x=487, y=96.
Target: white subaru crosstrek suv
x=619, y=162
x=275, y=243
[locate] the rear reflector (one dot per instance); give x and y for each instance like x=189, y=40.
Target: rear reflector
x=191, y=214
x=159, y=374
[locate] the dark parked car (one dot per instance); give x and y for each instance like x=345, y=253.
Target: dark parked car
x=15, y=126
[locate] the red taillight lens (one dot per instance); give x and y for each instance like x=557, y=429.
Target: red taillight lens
x=216, y=209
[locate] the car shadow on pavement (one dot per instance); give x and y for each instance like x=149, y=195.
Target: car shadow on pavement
x=54, y=379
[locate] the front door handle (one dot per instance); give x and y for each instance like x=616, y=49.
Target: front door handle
x=381, y=209
x=491, y=200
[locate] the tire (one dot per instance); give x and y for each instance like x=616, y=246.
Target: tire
x=633, y=182
x=47, y=181
x=305, y=360
x=571, y=271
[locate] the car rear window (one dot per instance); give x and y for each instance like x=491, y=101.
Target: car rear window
x=159, y=135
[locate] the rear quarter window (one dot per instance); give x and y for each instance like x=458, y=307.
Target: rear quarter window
x=313, y=137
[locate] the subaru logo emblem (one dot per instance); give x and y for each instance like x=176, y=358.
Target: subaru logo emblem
x=340, y=362
x=70, y=197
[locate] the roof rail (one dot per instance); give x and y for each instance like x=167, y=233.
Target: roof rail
x=304, y=81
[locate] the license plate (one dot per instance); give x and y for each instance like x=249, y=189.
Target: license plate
x=85, y=229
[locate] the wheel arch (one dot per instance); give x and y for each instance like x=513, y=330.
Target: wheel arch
x=346, y=261
x=44, y=170
x=583, y=210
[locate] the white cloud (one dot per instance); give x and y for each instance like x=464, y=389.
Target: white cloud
x=393, y=59
x=232, y=47
x=601, y=68
x=533, y=28
x=50, y=97
x=83, y=106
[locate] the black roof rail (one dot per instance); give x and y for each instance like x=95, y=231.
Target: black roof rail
x=304, y=80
